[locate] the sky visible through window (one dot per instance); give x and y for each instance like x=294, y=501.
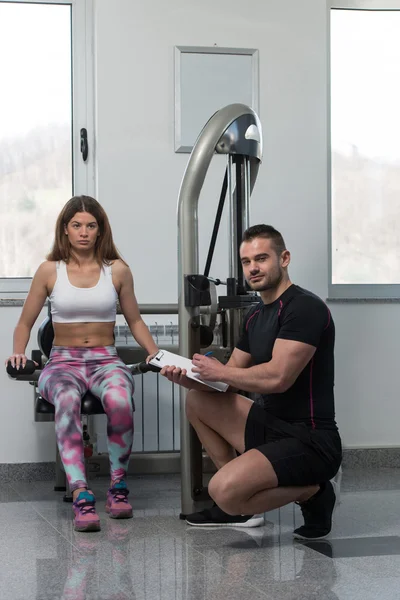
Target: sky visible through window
x=35, y=46
x=35, y=130
x=365, y=137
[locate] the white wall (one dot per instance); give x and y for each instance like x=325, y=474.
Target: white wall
x=367, y=373
x=138, y=178
x=138, y=172
x=21, y=439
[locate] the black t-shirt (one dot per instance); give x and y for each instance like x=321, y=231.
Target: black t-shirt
x=301, y=316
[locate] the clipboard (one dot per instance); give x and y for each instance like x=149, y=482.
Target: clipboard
x=164, y=358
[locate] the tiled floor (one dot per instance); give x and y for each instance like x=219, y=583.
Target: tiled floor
x=155, y=556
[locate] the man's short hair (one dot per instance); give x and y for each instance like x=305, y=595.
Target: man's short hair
x=268, y=232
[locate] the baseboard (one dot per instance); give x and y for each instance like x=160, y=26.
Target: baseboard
x=371, y=458
x=169, y=462
x=44, y=471
x=140, y=464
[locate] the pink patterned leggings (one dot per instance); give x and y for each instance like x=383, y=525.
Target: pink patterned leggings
x=66, y=377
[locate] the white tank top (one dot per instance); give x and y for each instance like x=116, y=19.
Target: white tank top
x=71, y=304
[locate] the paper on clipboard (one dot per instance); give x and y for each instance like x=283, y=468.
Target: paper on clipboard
x=164, y=358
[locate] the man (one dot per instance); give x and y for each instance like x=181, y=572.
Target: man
x=290, y=447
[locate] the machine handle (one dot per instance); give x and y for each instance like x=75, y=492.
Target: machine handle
x=29, y=368
x=143, y=367
x=84, y=144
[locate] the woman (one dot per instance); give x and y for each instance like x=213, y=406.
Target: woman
x=83, y=277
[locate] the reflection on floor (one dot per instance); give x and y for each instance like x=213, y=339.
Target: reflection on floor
x=156, y=556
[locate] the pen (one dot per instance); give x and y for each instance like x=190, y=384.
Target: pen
x=208, y=354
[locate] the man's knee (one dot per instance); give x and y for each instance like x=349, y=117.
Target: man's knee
x=226, y=493
x=192, y=405
x=201, y=405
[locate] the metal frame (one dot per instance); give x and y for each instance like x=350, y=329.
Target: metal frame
x=371, y=291
x=84, y=180
x=217, y=136
x=179, y=50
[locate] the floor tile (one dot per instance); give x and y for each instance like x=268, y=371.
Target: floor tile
x=156, y=556
x=358, y=547
x=200, y=589
x=8, y=494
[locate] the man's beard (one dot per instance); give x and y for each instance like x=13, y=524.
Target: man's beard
x=267, y=284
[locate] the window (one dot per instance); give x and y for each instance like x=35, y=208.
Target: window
x=43, y=106
x=365, y=150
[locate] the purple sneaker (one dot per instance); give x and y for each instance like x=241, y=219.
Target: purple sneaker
x=117, y=504
x=86, y=518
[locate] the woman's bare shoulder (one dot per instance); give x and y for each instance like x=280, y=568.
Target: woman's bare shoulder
x=47, y=268
x=120, y=267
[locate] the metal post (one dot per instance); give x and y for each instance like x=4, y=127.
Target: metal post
x=246, y=203
x=242, y=214
x=232, y=223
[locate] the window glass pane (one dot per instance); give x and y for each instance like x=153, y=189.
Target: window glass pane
x=35, y=130
x=365, y=129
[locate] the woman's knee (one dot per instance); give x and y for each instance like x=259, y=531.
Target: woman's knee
x=119, y=408
x=67, y=406
x=117, y=399
x=65, y=398
x=115, y=387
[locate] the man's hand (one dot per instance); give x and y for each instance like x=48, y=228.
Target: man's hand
x=176, y=375
x=209, y=369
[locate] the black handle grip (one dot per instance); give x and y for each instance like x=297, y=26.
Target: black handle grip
x=29, y=368
x=145, y=367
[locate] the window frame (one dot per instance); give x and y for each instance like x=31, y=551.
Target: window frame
x=83, y=114
x=348, y=290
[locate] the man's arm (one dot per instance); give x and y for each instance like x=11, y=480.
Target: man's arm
x=239, y=359
x=289, y=358
x=303, y=323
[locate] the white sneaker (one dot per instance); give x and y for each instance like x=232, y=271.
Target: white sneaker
x=215, y=517
x=337, y=483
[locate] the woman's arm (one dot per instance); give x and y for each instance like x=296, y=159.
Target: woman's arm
x=130, y=309
x=33, y=305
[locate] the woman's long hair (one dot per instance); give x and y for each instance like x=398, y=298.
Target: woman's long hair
x=105, y=249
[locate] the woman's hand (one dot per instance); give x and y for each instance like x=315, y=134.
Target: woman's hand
x=150, y=356
x=18, y=361
x=209, y=369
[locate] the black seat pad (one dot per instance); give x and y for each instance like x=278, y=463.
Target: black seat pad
x=90, y=405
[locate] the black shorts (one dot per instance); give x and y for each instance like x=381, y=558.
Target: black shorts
x=307, y=457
